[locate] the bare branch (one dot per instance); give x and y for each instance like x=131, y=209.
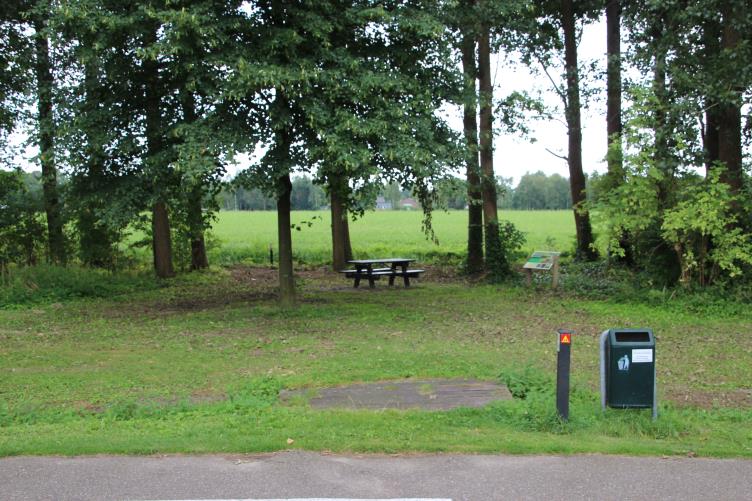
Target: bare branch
x=566, y=159
x=556, y=87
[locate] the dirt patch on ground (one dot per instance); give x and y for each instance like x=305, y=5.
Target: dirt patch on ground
x=245, y=274
x=428, y=394
x=705, y=399
x=324, y=278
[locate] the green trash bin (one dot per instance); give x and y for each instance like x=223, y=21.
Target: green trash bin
x=629, y=368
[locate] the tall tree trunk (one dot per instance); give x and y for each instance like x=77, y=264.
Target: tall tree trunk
x=613, y=91
x=576, y=176
x=613, y=110
x=199, y=260
x=286, y=278
x=46, y=124
x=341, y=247
x=730, y=144
x=494, y=258
x=161, y=239
x=94, y=237
x=711, y=37
x=729, y=114
x=662, y=156
x=711, y=138
x=470, y=121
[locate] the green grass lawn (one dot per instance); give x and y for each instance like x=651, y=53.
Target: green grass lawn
x=245, y=235
x=196, y=364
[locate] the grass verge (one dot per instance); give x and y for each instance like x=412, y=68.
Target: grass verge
x=196, y=366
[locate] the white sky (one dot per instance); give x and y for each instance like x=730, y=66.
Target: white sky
x=514, y=156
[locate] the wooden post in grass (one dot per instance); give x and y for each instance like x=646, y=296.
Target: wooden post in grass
x=555, y=273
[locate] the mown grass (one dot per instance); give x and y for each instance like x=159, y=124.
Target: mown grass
x=246, y=236
x=196, y=365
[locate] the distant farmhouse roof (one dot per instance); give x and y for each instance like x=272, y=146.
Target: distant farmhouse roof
x=383, y=204
x=408, y=203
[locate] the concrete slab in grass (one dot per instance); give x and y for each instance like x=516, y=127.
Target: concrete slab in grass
x=428, y=394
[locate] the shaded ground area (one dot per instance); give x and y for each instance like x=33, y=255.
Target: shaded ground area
x=429, y=394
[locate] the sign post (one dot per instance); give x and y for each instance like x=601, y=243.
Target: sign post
x=543, y=261
x=562, y=372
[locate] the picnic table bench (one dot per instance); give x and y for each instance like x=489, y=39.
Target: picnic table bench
x=397, y=267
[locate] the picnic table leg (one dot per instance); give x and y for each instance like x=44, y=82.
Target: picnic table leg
x=404, y=275
x=358, y=273
x=371, y=281
x=391, y=277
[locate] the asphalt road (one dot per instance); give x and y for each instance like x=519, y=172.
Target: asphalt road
x=311, y=475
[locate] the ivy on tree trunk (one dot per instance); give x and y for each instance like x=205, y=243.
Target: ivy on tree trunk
x=488, y=179
x=286, y=277
x=470, y=122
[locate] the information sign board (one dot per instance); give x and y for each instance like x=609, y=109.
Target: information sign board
x=541, y=260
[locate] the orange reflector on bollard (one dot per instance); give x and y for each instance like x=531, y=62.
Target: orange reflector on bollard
x=565, y=338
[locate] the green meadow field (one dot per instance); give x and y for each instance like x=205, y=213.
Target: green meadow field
x=246, y=236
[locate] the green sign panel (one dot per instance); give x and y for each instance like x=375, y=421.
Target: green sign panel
x=541, y=260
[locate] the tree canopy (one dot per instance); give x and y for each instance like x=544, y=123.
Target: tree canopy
x=137, y=109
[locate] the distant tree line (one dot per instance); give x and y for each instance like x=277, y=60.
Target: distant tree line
x=535, y=191
x=305, y=195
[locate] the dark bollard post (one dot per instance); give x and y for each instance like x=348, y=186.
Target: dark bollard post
x=271, y=255
x=562, y=373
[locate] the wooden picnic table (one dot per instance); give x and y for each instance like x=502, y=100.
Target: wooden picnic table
x=397, y=267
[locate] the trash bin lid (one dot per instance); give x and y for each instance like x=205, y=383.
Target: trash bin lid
x=632, y=337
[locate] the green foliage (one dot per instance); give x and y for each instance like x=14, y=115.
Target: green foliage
x=514, y=110
x=703, y=229
x=599, y=279
x=540, y=192
x=358, y=104
x=45, y=283
x=681, y=226
x=452, y=193
x=499, y=263
x=526, y=381
x=15, y=65
x=22, y=230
